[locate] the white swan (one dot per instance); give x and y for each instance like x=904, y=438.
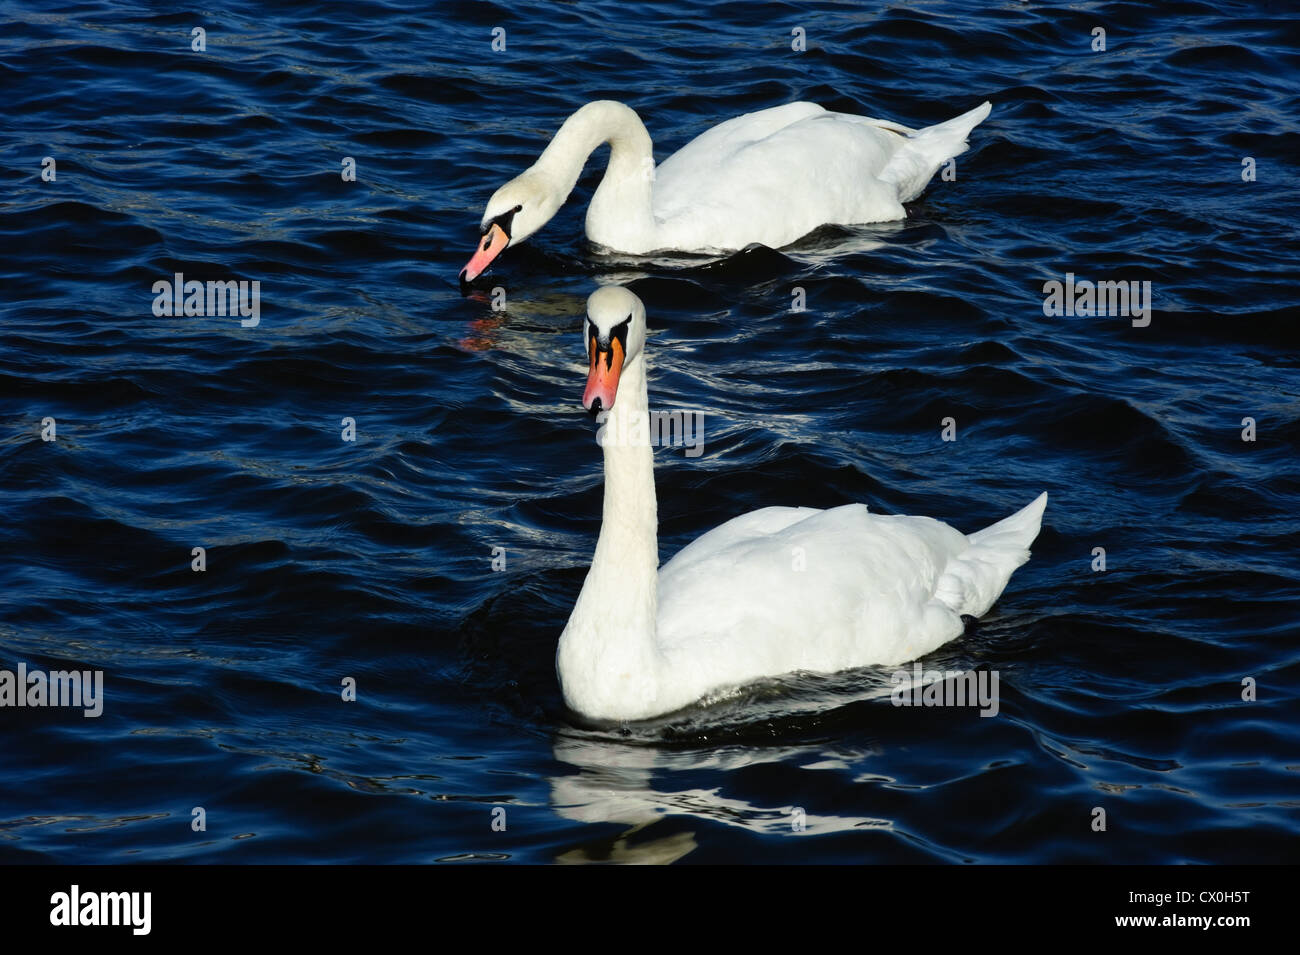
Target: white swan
x=771, y=592
x=770, y=177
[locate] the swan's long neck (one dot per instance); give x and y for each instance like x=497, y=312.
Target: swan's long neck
x=607, y=655
x=620, y=215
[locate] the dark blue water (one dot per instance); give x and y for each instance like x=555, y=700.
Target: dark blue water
x=372, y=559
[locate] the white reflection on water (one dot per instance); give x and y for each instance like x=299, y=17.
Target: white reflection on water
x=634, y=782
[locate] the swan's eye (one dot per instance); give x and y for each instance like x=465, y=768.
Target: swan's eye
x=598, y=343
x=619, y=332
x=505, y=221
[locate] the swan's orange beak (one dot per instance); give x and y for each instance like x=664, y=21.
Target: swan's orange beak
x=490, y=246
x=602, y=379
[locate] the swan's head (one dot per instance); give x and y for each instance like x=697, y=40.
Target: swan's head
x=515, y=211
x=614, y=333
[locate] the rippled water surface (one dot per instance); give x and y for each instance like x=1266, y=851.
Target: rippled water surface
x=372, y=560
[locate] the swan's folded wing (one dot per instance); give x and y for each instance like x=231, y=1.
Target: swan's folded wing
x=725, y=138
x=755, y=525
x=836, y=589
x=778, y=188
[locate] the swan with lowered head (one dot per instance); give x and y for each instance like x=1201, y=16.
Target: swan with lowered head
x=771, y=592
x=770, y=177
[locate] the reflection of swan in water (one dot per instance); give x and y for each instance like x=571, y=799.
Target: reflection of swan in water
x=819, y=249
x=663, y=851
x=632, y=781
x=491, y=327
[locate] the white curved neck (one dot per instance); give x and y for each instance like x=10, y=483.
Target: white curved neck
x=620, y=215
x=608, y=647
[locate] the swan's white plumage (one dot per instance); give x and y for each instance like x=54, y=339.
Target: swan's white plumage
x=771, y=592
x=769, y=177
x=823, y=591
x=776, y=175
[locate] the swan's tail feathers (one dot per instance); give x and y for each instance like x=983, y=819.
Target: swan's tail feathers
x=925, y=150
x=1018, y=530
x=974, y=579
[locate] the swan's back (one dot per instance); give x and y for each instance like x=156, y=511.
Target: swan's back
x=775, y=175
x=727, y=137
x=786, y=589
x=831, y=590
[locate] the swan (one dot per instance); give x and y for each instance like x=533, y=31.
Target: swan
x=771, y=592
x=771, y=177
